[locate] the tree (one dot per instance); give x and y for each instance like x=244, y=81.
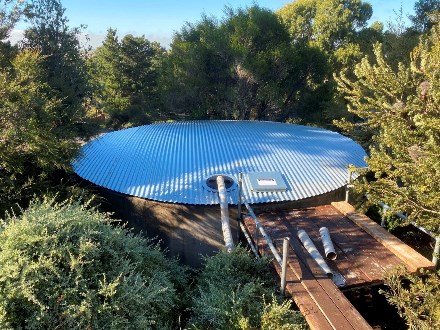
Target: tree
x=262, y=65
x=10, y=13
x=63, y=61
x=66, y=266
x=125, y=75
x=197, y=80
x=425, y=12
x=338, y=29
x=335, y=33
x=399, y=39
x=32, y=148
x=42, y=93
x=401, y=109
x=243, y=67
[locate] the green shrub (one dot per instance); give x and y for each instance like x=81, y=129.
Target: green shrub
x=280, y=316
x=230, y=294
x=417, y=298
x=65, y=266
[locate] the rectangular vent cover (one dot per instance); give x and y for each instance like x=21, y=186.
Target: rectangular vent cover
x=266, y=181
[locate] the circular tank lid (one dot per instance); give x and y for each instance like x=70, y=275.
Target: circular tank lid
x=171, y=162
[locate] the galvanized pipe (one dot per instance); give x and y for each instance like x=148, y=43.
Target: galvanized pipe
x=347, y=188
x=383, y=221
x=286, y=242
x=311, y=248
x=256, y=235
x=240, y=187
x=224, y=210
x=263, y=232
x=329, y=249
x=436, y=254
x=249, y=240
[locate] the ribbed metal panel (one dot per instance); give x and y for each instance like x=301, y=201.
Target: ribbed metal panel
x=170, y=162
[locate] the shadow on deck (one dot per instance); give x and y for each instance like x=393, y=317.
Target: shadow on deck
x=365, y=253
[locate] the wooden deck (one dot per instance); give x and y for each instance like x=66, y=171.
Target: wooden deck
x=362, y=260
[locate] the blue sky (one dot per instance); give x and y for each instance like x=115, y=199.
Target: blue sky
x=158, y=19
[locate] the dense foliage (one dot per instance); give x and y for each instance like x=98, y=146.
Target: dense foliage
x=62, y=59
x=426, y=14
x=10, y=13
x=401, y=109
x=43, y=87
x=397, y=111
x=32, y=146
x=234, y=291
x=337, y=34
x=244, y=67
x=417, y=298
x=65, y=266
x=125, y=76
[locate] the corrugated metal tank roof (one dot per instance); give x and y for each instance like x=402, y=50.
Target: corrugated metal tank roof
x=170, y=162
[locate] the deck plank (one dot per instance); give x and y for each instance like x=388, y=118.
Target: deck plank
x=307, y=306
x=365, y=252
x=317, y=290
x=353, y=272
x=334, y=305
x=361, y=259
x=412, y=259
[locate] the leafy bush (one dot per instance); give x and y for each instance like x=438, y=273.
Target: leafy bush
x=65, y=266
x=278, y=316
x=417, y=299
x=230, y=294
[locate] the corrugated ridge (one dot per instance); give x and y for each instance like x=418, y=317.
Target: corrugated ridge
x=170, y=162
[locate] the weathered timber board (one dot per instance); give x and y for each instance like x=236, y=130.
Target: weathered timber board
x=412, y=259
x=361, y=259
x=339, y=312
x=348, y=262
x=316, y=290
x=364, y=251
x=307, y=306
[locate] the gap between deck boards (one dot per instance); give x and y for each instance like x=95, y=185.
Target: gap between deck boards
x=323, y=305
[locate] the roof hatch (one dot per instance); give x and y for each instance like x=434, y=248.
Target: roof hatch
x=266, y=181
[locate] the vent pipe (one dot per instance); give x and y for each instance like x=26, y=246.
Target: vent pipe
x=224, y=211
x=329, y=248
x=311, y=248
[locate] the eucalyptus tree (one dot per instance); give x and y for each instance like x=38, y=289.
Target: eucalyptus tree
x=338, y=28
x=262, y=63
x=10, y=12
x=197, y=79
